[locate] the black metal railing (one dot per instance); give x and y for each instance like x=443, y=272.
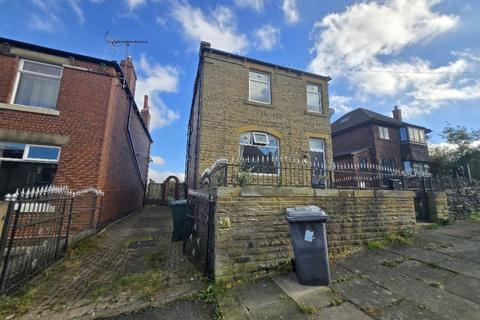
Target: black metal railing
x=39, y=225
x=304, y=173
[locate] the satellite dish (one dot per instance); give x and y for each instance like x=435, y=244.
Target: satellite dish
x=331, y=112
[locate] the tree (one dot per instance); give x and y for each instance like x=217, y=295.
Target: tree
x=462, y=139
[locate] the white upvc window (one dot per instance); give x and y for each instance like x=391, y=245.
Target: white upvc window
x=259, y=87
x=11, y=151
x=314, y=98
x=383, y=131
x=37, y=84
x=416, y=135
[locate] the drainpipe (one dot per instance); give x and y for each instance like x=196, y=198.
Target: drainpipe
x=132, y=147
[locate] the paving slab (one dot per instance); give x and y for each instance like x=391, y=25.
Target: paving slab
x=314, y=296
x=261, y=299
x=407, y=310
x=421, y=254
x=345, y=311
x=468, y=268
x=433, y=299
x=365, y=294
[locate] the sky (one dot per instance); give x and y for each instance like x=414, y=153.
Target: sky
x=422, y=55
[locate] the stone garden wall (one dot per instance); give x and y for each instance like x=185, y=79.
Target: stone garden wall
x=252, y=235
x=463, y=198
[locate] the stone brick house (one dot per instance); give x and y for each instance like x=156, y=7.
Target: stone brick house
x=244, y=108
x=70, y=119
x=363, y=136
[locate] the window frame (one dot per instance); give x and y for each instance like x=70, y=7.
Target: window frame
x=269, y=86
x=320, y=102
x=20, y=71
x=26, y=150
x=381, y=133
x=256, y=145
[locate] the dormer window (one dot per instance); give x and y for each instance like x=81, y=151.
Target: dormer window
x=38, y=84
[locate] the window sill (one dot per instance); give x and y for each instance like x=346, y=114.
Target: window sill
x=23, y=108
x=318, y=114
x=259, y=104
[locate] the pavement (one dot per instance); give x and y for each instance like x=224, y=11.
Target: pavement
x=437, y=278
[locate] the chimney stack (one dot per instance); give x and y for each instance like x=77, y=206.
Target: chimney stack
x=129, y=73
x=146, y=111
x=397, y=113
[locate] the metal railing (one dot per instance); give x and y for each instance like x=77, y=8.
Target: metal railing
x=39, y=226
x=304, y=173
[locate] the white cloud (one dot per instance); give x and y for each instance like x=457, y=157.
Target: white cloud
x=158, y=160
x=268, y=37
x=256, y=5
x=341, y=104
x=362, y=43
x=133, y=4
x=46, y=23
x=160, y=176
x=218, y=27
x=157, y=79
x=290, y=11
x=78, y=11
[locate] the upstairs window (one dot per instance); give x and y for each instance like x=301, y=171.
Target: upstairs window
x=314, y=101
x=383, y=133
x=259, y=87
x=403, y=134
x=416, y=135
x=38, y=84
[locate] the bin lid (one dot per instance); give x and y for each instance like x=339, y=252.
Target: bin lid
x=178, y=202
x=306, y=213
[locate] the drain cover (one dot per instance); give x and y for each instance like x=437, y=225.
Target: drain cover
x=143, y=244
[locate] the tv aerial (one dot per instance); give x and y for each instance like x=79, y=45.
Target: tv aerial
x=126, y=45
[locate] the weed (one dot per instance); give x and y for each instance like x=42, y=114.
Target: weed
x=148, y=283
x=392, y=263
x=433, y=226
x=19, y=303
x=446, y=221
x=433, y=265
x=337, y=299
x=212, y=294
x=436, y=284
x=244, y=177
x=475, y=215
x=375, y=244
x=307, y=309
x=130, y=241
x=84, y=247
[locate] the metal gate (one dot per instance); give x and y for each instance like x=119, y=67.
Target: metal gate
x=39, y=226
x=199, y=243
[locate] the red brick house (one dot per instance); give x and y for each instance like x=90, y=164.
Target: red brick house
x=363, y=136
x=70, y=119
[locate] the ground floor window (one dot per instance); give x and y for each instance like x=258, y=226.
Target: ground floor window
x=259, y=152
x=317, y=157
x=416, y=168
x=26, y=165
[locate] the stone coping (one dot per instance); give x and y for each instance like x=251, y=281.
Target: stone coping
x=270, y=191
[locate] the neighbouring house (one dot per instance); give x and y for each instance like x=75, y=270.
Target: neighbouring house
x=363, y=137
x=248, y=109
x=70, y=119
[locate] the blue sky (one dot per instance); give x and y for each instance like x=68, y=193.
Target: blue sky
x=423, y=55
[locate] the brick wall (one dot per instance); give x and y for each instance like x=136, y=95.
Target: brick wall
x=91, y=129
x=252, y=235
x=225, y=111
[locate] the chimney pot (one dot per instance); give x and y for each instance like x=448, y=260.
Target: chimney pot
x=397, y=113
x=205, y=44
x=145, y=102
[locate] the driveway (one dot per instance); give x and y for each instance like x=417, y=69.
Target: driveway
x=437, y=278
